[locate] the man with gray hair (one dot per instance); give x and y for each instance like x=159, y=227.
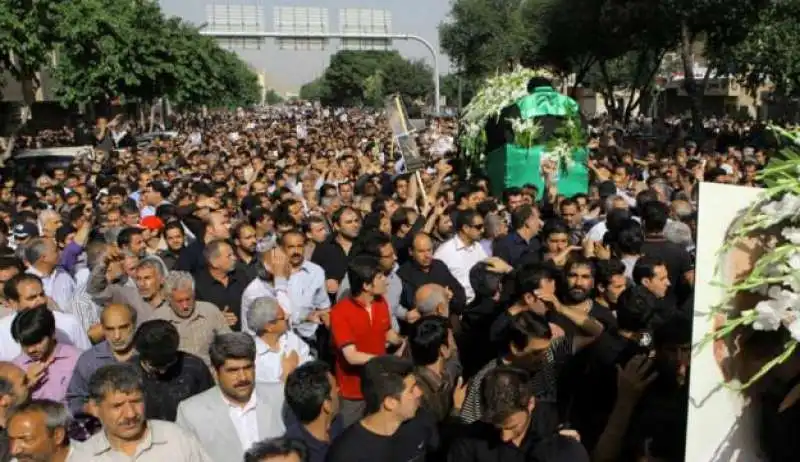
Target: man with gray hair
x=43, y=421
x=197, y=322
x=432, y=300
x=278, y=349
x=41, y=255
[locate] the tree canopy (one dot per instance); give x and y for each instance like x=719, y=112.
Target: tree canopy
x=356, y=78
x=610, y=45
x=100, y=50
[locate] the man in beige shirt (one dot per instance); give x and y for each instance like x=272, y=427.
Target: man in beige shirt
x=116, y=398
x=197, y=322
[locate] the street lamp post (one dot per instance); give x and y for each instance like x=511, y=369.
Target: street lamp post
x=342, y=35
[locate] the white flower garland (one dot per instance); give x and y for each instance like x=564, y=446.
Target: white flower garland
x=776, y=274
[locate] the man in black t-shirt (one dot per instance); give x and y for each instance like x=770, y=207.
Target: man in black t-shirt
x=394, y=428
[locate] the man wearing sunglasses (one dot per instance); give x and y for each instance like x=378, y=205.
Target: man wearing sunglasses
x=463, y=251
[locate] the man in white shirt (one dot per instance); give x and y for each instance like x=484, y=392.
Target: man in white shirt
x=25, y=291
x=278, y=350
x=463, y=251
x=229, y=418
x=41, y=255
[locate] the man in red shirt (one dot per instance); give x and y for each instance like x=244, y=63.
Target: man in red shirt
x=361, y=327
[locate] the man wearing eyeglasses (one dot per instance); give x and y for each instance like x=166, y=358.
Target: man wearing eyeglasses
x=463, y=251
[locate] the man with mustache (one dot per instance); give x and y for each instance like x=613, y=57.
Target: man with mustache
x=242, y=412
x=117, y=398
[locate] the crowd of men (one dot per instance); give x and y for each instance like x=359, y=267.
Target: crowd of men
x=274, y=287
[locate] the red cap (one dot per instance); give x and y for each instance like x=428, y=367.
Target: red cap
x=151, y=222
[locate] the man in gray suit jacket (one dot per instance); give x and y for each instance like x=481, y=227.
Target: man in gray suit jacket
x=229, y=418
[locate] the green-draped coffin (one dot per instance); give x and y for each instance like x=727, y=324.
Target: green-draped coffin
x=510, y=165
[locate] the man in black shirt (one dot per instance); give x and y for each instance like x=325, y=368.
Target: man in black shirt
x=424, y=269
x=393, y=429
x=169, y=376
x=332, y=254
x=514, y=427
x=521, y=245
x=221, y=282
x=680, y=266
x=313, y=397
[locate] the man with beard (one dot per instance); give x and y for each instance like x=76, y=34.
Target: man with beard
x=119, y=325
x=38, y=432
x=243, y=413
x=117, y=398
x=244, y=239
x=332, y=255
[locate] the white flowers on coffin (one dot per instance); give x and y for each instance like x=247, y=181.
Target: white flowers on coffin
x=786, y=208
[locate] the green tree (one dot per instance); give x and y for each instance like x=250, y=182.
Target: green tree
x=316, y=90
x=26, y=45
x=720, y=26
x=450, y=89
x=771, y=50
x=111, y=49
x=484, y=37
x=366, y=77
x=273, y=97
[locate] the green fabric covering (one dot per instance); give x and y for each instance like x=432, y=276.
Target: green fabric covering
x=545, y=101
x=512, y=166
x=516, y=166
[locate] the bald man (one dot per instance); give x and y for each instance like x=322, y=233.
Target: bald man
x=423, y=269
x=119, y=325
x=432, y=300
x=13, y=392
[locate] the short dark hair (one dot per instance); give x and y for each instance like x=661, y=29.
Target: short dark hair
x=654, y=216
x=428, y=335
x=281, y=446
x=8, y=262
x=485, y=283
x=645, y=267
x=607, y=269
x=115, y=377
x=504, y=392
x=231, y=345
x=33, y=325
x=637, y=309
x=361, y=271
x=524, y=326
x=382, y=377
x=157, y=342
x=521, y=215
x=530, y=279
x=125, y=236
x=11, y=289
x=307, y=388
x=465, y=218
x=627, y=239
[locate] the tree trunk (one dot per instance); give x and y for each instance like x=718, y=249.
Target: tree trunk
x=29, y=87
x=693, y=91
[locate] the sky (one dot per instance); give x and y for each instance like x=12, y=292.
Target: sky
x=287, y=70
